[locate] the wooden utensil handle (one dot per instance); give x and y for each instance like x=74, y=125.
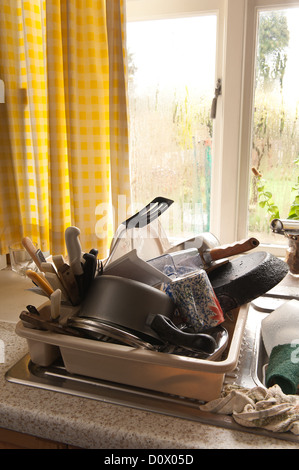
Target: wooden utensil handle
x=236, y=248
x=31, y=249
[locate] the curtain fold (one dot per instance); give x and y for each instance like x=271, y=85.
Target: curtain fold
x=64, y=133
x=120, y=171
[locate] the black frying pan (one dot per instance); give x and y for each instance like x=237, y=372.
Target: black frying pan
x=245, y=278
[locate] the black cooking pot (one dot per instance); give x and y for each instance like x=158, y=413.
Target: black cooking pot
x=140, y=309
x=245, y=278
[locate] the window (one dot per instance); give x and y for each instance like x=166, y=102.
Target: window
x=236, y=44
x=171, y=87
x=275, y=135
x=268, y=133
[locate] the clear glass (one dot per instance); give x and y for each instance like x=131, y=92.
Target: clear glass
x=171, y=88
x=292, y=256
x=275, y=137
x=20, y=259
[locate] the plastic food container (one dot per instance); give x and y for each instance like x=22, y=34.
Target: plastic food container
x=173, y=374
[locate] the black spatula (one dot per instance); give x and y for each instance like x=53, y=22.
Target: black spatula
x=142, y=218
x=149, y=213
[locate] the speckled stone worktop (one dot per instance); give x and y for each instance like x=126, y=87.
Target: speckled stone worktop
x=94, y=424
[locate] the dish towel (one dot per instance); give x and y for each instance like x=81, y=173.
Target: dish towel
x=258, y=407
x=280, y=333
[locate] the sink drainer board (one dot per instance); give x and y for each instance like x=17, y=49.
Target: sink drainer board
x=248, y=373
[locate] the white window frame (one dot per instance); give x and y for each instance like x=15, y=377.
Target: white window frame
x=235, y=65
x=253, y=8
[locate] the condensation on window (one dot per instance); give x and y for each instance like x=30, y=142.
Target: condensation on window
x=274, y=185
x=171, y=83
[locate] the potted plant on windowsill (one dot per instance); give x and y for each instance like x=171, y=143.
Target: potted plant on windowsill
x=289, y=227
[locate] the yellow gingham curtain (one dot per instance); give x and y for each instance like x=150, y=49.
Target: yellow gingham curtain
x=63, y=127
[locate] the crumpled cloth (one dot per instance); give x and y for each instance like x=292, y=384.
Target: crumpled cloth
x=258, y=407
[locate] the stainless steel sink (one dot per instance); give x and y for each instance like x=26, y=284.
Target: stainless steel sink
x=249, y=373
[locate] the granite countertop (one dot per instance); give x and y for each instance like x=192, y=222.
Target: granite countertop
x=95, y=424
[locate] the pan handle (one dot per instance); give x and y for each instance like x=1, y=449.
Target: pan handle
x=236, y=248
x=167, y=331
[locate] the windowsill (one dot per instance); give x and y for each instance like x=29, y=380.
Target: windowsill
x=15, y=295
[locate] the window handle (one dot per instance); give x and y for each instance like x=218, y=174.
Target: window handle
x=218, y=92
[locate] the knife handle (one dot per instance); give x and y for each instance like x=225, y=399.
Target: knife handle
x=55, y=282
x=236, y=248
x=69, y=282
x=74, y=249
x=55, y=304
x=40, y=282
x=35, y=254
x=89, y=271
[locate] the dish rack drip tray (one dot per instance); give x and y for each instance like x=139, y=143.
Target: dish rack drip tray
x=247, y=374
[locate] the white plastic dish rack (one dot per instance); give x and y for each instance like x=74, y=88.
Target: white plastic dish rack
x=168, y=373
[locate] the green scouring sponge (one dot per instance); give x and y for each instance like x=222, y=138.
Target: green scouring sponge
x=283, y=368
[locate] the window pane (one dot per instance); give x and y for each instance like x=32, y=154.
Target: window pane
x=171, y=87
x=275, y=136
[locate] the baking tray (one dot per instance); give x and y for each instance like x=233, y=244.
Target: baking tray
x=168, y=373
